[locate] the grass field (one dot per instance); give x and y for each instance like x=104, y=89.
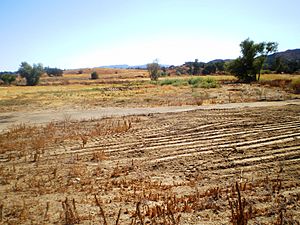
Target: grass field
x=132, y=88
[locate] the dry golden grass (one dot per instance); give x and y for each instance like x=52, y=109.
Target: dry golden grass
x=278, y=77
x=129, y=88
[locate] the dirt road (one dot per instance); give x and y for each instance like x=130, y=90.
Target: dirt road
x=38, y=117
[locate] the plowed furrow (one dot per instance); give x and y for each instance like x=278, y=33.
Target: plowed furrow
x=290, y=162
x=223, y=142
x=176, y=139
x=228, y=126
x=248, y=172
x=290, y=146
x=265, y=127
x=188, y=148
x=261, y=157
x=217, y=134
x=194, y=151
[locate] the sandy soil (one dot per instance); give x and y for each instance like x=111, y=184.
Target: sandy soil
x=170, y=168
x=37, y=117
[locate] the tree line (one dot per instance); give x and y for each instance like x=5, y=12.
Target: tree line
x=282, y=65
x=31, y=74
x=247, y=68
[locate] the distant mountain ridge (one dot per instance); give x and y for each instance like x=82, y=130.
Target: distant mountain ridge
x=288, y=55
x=121, y=66
x=291, y=55
x=284, y=62
x=125, y=66
x=219, y=60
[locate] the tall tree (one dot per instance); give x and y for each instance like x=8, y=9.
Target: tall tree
x=209, y=68
x=220, y=66
x=247, y=66
x=266, y=49
x=32, y=74
x=153, y=69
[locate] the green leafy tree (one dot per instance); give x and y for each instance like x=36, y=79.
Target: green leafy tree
x=265, y=50
x=279, y=65
x=220, y=66
x=8, y=78
x=282, y=64
x=54, y=72
x=32, y=74
x=254, y=55
x=94, y=75
x=154, y=70
x=209, y=68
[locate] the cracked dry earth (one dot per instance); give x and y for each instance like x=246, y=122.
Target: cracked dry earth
x=171, y=168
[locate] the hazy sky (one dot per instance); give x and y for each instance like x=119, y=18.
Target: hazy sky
x=90, y=33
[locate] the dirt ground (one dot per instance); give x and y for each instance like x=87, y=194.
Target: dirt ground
x=170, y=154
x=10, y=119
x=204, y=166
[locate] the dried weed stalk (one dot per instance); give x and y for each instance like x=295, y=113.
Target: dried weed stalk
x=70, y=212
x=101, y=210
x=239, y=214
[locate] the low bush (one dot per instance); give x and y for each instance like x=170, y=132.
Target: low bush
x=209, y=83
x=174, y=82
x=196, y=82
x=166, y=82
x=203, y=82
x=266, y=72
x=94, y=75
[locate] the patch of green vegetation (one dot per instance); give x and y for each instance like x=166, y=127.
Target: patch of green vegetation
x=206, y=83
x=174, y=82
x=195, y=82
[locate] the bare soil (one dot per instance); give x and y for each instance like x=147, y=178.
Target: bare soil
x=211, y=165
x=10, y=119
